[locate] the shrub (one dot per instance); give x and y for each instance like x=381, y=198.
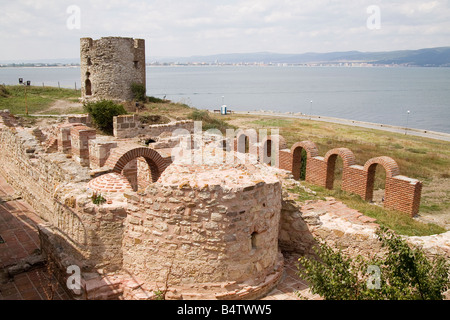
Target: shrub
x=155, y=100
x=103, y=112
x=139, y=91
x=209, y=122
x=4, y=91
x=148, y=118
x=405, y=273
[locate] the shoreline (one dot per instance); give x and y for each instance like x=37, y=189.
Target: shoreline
x=355, y=123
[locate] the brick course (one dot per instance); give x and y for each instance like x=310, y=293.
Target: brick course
x=401, y=193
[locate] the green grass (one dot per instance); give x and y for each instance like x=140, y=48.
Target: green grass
x=396, y=221
x=38, y=98
x=277, y=123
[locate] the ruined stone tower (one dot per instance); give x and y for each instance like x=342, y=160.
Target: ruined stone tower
x=109, y=66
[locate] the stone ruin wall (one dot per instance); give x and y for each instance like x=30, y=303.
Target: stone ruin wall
x=207, y=243
x=109, y=66
x=129, y=126
x=56, y=187
x=174, y=219
x=77, y=232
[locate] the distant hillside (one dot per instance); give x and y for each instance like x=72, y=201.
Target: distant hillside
x=431, y=57
x=436, y=57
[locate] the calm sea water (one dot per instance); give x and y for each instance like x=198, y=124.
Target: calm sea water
x=381, y=95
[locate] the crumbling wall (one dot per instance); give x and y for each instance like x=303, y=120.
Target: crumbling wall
x=129, y=126
x=56, y=187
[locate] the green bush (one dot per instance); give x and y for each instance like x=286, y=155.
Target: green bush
x=148, y=118
x=155, y=100
x=405, y=273
x=98, y=199
x=103, y=112
x=4, y=91
x=139, y=92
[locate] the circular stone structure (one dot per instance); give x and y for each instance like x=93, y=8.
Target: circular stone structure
x=110, y=183
x=208, y=231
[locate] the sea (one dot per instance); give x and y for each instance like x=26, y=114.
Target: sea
x=401, y=96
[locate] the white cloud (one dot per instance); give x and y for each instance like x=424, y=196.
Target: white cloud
x=195, y=27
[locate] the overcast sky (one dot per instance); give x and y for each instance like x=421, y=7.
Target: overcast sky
x=50, y=29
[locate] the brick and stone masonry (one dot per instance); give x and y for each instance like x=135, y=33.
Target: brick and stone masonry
x=80, y=140
x=210, y=231
x=129, y=126
x=218, y=225
x=401, y=193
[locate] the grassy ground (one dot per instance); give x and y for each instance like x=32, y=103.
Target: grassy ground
x=425, y=159
x=38, y=99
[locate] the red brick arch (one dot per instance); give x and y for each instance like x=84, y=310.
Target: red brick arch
x=392, y=170
x=388, y=163
x=309, y=146
x=348, y=159
x=120, y=157
x=296, y=151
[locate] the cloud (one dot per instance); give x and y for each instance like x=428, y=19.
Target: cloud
x=37, y=29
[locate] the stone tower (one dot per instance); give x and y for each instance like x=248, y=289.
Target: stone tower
x=109, y=66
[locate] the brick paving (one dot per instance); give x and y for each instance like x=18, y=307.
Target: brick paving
x=19, y=232
x=291, y=286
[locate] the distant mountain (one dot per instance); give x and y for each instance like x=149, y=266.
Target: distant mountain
x=431, y=57
x=436, y=57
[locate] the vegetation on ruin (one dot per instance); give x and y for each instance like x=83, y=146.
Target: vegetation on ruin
x=98, y=199
x=403, y=272
x=150, y=119
x=103, y=113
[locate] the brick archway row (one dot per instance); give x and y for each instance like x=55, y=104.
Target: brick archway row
x=401, y=193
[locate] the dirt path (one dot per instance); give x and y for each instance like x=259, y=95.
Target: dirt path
x=62, y=107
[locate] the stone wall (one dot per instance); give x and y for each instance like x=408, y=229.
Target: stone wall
x=129, y=126
x=207, y=241
x=56, y=187
x=109, y=66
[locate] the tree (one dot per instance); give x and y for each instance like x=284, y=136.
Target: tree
x=402, y=273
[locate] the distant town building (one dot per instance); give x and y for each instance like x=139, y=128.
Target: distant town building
x=109, y=66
